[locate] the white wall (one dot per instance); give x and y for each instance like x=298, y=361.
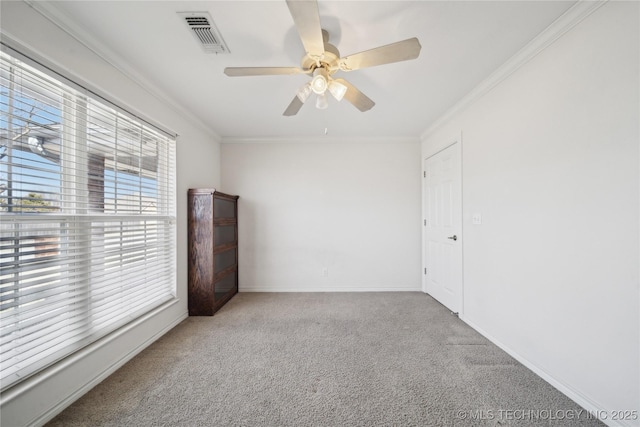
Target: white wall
x=39, y=398
x=352, y=208
x=551, y=161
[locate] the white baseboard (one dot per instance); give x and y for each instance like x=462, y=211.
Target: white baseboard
x=588, y=404
x=327, y=289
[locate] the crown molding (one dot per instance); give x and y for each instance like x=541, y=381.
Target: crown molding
x=572, y=17
x=320, y=140
x=60, y=19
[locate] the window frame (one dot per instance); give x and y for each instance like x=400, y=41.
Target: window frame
x=75, y=214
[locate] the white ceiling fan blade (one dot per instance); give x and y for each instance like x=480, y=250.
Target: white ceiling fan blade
x=294, y=107
x=361, y=101
x=394, y=52
x=261, y=71
x=307, y=19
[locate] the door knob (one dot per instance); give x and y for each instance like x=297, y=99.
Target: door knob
x=454, y=237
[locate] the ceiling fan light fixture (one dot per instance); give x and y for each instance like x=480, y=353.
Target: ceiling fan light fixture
x=319, y=84
x=304, y=92
x=321, y=101
x=337, y=89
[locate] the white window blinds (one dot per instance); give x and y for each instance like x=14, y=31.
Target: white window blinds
x=87, y=219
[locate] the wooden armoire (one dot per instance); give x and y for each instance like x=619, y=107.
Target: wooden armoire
x=213, y=250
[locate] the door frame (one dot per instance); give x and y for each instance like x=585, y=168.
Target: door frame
x=428, y=152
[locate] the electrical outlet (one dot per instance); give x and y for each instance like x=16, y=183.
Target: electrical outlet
x=476, y=219
x=325, y=272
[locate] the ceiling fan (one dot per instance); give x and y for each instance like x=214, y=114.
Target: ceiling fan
x=322, y=60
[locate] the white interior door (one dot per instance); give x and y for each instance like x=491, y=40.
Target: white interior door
x=443, y=227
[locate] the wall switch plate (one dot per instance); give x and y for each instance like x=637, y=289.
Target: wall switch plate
x=476, y=219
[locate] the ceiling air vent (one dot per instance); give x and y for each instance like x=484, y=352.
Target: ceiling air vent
x=204, y=30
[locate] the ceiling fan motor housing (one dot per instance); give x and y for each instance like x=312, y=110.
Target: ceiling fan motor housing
x=328, y=60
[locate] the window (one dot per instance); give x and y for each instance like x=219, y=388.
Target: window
x=87, y=219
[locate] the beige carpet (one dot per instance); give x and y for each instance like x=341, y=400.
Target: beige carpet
x=324, y=359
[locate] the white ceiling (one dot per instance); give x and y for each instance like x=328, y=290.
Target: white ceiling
x=462, y=44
